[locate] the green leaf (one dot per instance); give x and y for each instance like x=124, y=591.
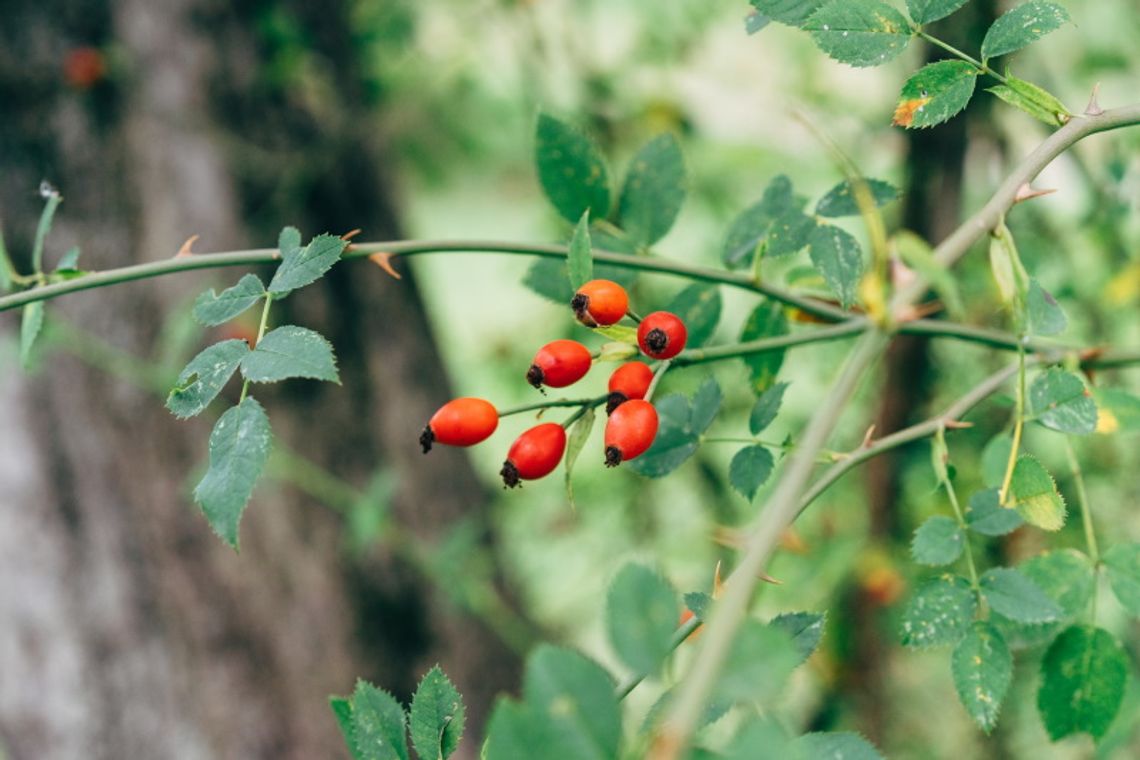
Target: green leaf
x=1033, y=100
x=841, y=199
x=52, y=199
x=239, y=446
x=1083, y=676
x=579, y=434
x=766, y=408
x=289, y=241
x=1012, y=594
x=212, y=308
x=995, y=458
x=641, y=615
x=754, y=22
x=6, y=268
x=676, y=440
x=437, y=717
x=790, y=12
x=706, y=404
x=859, y=32
x=571, y=170
x=1034, y=493
x=935, y=93
x=580, y=258
x=290, y=351
x=767, y=320
x=699, y=307
x=574, y=697
x=760, y=661
x=654, y=190
x=836, y=745
x=342, y=711
x=759, y=739
x=938, y=541
x=1067, y=578
x=839, y=258
x=31, y=322
x=203, y=378
x=1045, y=316
x=940, y=612
x=790, y=233
x=69, y=261
x=680, y=425
x=1059, y=401
x=620, y=333
x=751, y=227
x=515, y=730
x=1122, y=563
x=982, y=667
x=926, y=11
x=750, y=468
x=1117, y=410
x=377, y=724
x=985, y=515
x=805, y=628
x=301, y=266
x=1024, y=24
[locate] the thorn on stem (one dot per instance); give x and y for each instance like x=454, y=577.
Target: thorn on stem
x=1093, y=108
x=384, y=261
x=1027, y=193
x=185, y=251
x=868, y=438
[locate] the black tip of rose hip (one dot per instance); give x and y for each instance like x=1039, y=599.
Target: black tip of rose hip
x=534, y=376
x=613, y=456
x=614, y=400
x=510, y=474
x=580, y=304
x=656, y=339
x=427, y=438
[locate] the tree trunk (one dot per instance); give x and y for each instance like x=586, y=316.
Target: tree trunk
x=128, y=629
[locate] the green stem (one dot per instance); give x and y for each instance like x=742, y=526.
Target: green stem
x=552, y=404
x=762, y=345
x=1018, y=426
x=940, y=437
x=683, y=632
x=260, y=334
x=1083, y=502
x=582, y=409
x=658, y=373
x=965, y=57
x=53, y=200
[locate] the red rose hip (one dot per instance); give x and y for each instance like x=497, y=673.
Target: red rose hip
x=630, y=431
x=662, y=335
x=600, y=303
x=460, y=422
x=534, y=454
x=629, y=381
x=558, y=364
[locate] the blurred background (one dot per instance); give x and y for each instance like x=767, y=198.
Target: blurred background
x=127, y=630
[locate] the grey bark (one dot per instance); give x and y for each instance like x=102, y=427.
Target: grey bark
x=126, y=628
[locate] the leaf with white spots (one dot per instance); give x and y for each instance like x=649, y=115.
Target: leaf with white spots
x=940, y=612
x=203, y=378
x=1024, y=24
x=982, y=667
x=859, y=32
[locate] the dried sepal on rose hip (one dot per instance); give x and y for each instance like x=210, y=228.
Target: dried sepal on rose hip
x=661, y=335
x=629, y=381
x=534, y=454
x=630, y=431
x=599, y=303
x=558, y=364
x=460, y=422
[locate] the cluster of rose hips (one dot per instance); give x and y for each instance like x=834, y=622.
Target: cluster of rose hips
x=632, y=423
